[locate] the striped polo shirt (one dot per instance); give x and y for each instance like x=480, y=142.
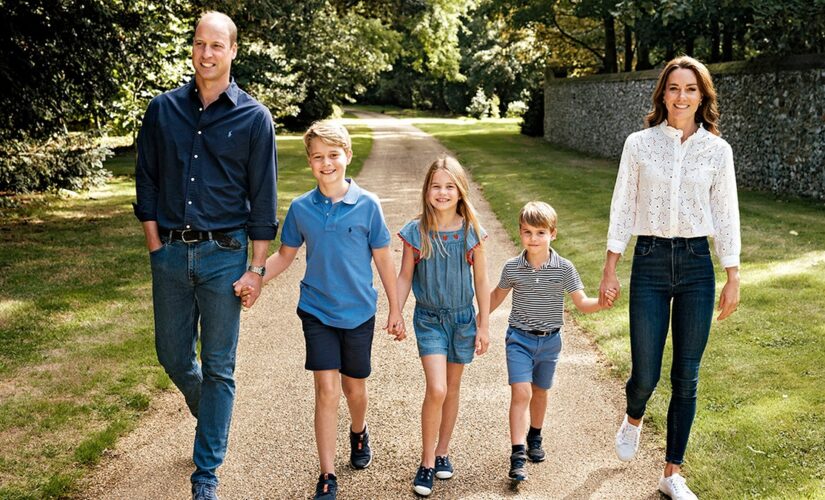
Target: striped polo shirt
x=538, y=294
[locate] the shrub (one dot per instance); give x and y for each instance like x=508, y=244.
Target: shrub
x=73, y=161
x=516, y=109
x=532, y=122
x=479, y=105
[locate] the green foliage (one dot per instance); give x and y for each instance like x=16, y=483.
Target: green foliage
x=479, y=105
x=73, y=161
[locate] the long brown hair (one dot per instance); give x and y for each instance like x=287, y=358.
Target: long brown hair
x=707, y=114
x=428, y=220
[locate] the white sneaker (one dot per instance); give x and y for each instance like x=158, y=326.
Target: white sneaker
x=676, y=488
x=627, y=440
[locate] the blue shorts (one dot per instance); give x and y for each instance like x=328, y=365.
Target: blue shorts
x=450, y=332
x=531, y=358
x=343, y=349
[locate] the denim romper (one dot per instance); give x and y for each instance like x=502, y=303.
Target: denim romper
x=444, y=318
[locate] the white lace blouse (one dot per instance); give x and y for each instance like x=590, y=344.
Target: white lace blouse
x=672, y=189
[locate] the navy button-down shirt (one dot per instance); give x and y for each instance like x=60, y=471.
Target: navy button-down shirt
x=207, y=169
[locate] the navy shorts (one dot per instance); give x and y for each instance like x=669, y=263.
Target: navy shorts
x=347, y=350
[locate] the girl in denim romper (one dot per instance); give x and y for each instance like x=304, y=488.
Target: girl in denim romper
x=445, y=265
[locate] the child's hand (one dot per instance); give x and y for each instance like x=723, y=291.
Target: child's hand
x=395, y=326
x=610, y=295
x=482, y=340
x=247, y=295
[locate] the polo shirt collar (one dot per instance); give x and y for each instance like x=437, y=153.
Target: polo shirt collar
x=551, y=263
x=231, y=92
x=350, y=198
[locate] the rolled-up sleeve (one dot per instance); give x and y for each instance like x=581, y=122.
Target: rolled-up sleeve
x=724, y=208
x=263, y=178
x=146, y=167
x=623, y=206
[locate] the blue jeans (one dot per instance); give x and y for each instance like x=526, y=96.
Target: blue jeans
x=672, y=282
x=191, y=285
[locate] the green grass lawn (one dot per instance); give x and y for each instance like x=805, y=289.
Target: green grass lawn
x=760, y=427
x=77, y=357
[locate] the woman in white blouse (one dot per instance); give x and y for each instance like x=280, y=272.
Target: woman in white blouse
x=675, y=187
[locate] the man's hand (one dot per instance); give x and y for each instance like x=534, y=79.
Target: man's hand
x=395, y=326
x=248, y=288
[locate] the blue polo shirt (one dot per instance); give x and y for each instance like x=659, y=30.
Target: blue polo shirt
x=337, y=287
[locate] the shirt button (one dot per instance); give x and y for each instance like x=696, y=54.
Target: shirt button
x=189, y=202
x=200, y=109
x=196, y=156
x=326, y=201
x=192, y=179
x=199, y=132
x=188, y=226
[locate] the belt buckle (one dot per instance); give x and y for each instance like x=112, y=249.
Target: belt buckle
x=183, y=236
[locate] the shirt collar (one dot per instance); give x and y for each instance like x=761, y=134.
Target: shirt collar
x=350, y=198
x=677, y=134
x=231, y=92
x=551, y=263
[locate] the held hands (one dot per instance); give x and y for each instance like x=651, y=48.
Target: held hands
x=248, y=288
x=609, y=289
x=395, y=326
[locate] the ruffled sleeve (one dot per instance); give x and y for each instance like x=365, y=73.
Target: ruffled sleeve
x=411, y=236
x=473, y=241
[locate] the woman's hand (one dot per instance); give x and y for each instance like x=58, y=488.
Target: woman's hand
x=729, y=298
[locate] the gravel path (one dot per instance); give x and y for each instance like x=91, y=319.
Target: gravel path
x=272, y=452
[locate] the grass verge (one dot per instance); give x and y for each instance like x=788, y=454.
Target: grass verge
x=77, y=357
x=760, y=427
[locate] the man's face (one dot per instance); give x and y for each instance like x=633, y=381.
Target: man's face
x=212, y=51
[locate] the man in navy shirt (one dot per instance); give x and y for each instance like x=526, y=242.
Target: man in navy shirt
x=206, y=184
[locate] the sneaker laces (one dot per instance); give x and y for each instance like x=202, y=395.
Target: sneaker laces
x=628, y=435
x=679, y=485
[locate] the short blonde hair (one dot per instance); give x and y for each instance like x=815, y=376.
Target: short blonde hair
x=331, y=133
x=538, y=214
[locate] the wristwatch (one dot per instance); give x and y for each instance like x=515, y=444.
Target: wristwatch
x=257, y=270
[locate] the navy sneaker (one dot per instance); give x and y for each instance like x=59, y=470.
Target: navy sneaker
x=360, y=455
x=443, y=467
x=423, y=482
x=534, y=450
x=517, y=470
x=204, y=491
x=327, y=487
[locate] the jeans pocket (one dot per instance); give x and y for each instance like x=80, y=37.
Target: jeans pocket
x=230, y=245
x=642, y=249
x=158, y=250
x=699, y=248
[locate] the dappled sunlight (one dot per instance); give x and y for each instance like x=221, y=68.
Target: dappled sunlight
x=801, y=265
x=11, y=307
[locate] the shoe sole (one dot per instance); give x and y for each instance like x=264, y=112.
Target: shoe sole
x=517, y=479
x=372, y=455
x=444, y=475
x=536, y=460
x=423, y=491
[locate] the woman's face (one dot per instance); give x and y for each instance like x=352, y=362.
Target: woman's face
x=682, y=95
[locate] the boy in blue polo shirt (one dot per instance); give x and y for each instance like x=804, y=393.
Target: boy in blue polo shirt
x=539, y=278
x=344, y=230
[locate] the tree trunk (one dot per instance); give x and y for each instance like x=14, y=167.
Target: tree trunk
x=610, y=65
x=727, y=42
x=628, y=48
x=714, y=40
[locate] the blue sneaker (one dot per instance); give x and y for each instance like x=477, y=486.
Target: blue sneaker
x=327, y=487
x=534, y=450
x=423, y=482
x=360, y=455
x=518, y=471
x=204, y=491
x=443, y=467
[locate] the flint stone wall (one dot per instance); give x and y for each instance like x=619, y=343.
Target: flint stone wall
x=772, y=114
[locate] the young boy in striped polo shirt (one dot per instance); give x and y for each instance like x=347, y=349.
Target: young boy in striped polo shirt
x=539, y=278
